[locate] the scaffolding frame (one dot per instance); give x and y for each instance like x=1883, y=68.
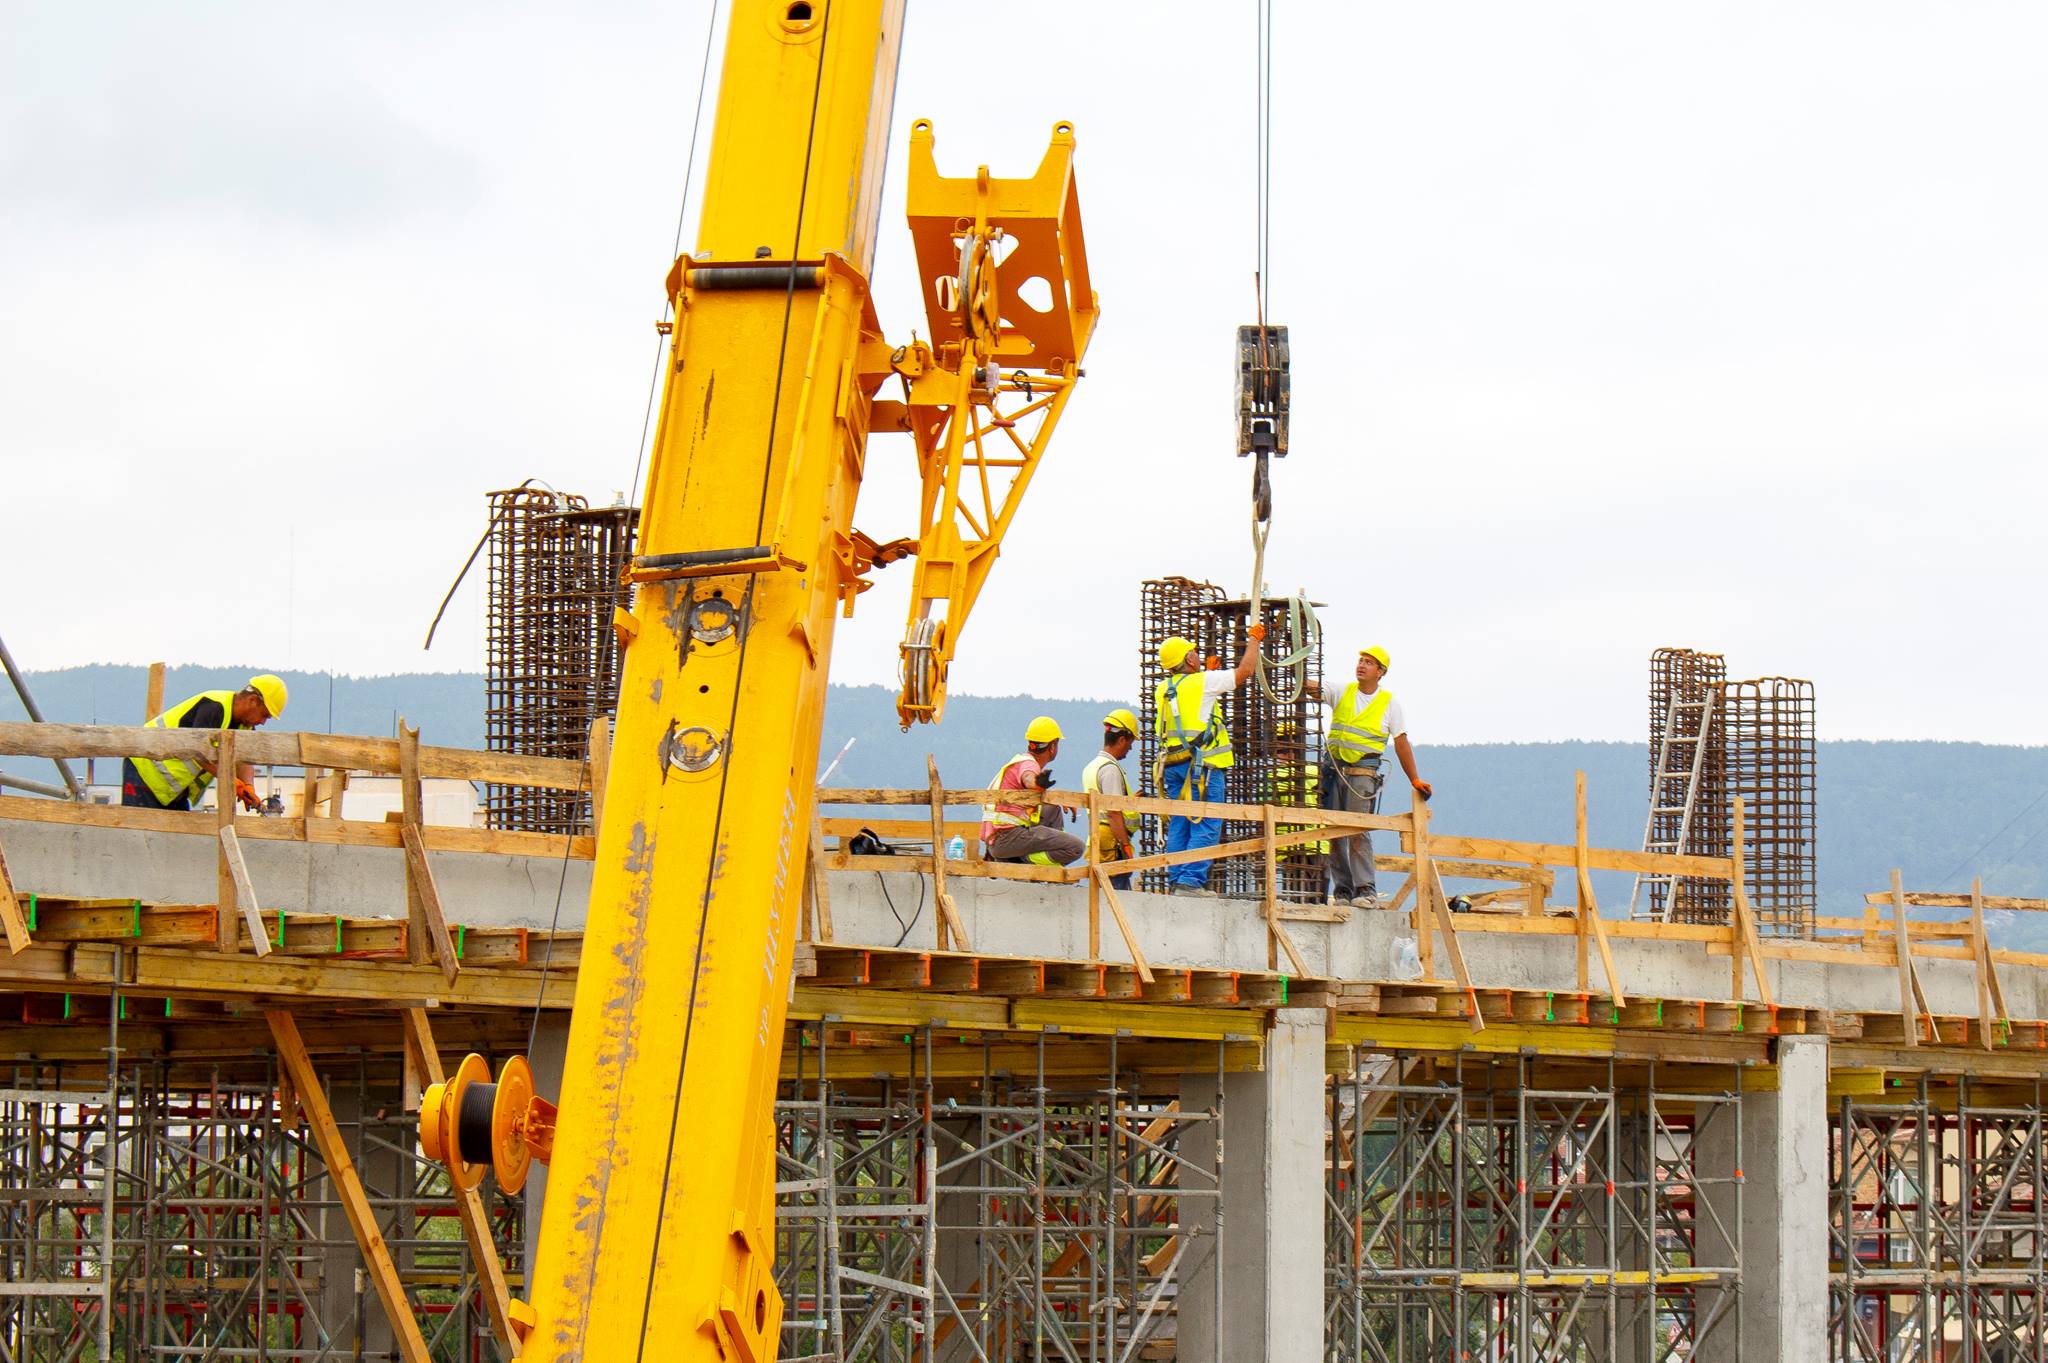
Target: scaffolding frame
x=1938, y=1224
x=1484, y=1211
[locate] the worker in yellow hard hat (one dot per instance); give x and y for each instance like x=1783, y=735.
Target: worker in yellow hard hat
x=176, y=782
x=1105, y=776
x=1035, y=832
x=1194, y=747
x=1364, y=718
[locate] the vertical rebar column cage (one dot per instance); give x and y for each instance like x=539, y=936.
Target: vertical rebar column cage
x=552, y=662
x=1681, y=676
x=1772, y=760
x=1275, y=745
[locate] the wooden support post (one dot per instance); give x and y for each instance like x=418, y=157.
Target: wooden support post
x=1990, y=992
x=1909, y=983
x=1743, y=941
x=1094, y=889
x=1271, y=860
x=1123, y=924
x=10, y=912
x=419, y=942
x=600, y=768
x=949, y=924
x=1534, y=908
x=423, y=1056
x=309, y=790
x=245, y=896
x=1589, y=912
x=1434, y=893
x=227, y=932
x=1424, y=878
x=821, y=889
x=420, y=878
x=348, y=1188
x=339, y=777
x=153, y=694
x=1584, y=883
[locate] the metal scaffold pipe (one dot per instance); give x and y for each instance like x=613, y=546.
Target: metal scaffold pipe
x=35, y=713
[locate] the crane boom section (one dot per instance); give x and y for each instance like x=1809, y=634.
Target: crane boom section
x=657, y=1234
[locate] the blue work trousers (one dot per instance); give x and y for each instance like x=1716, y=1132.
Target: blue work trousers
x=1192, y=780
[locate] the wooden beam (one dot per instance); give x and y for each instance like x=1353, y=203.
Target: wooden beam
x=1909, y=983
x=1434, y=892
x=1270, y=877
x=227, y=936
x=1424, y=880
x=469, y=1204
x=244, y=896
x=348, y=1189
x=1123, y=924
x=420, y=875
x=153, y=693
x=1743, y=942
x=821, y=889
x=600, y=769
x=1590, y=908
x=1990, y=991
x=420, y=944
x=11, y=920
x=1094, y=882
x=949, y=924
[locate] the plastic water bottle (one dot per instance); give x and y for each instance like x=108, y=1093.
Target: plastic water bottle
x=956, y=850
x=1405, y=959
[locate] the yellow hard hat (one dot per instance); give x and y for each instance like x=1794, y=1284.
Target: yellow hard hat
x=1044, y=729
x=1174, y=652
x=1378, y=654
x=272, y=689
x=1123, y=720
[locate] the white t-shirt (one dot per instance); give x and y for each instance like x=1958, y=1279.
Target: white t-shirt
x=1396, y=717
x=1110, y=779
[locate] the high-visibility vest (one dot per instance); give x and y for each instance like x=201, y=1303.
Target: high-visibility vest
x=1004, y=818
x=174, y=776
x=1091, y=783
x=1359, y=730
x=1296, y=783
x=1178, y=721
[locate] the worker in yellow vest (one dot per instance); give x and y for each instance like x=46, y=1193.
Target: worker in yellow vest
x=1105, y=776
x=1363, y=720
x=1035, y=832
x=1194, y=747
x=176, y=782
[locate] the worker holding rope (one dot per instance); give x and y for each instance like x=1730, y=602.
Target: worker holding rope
x=1194, y=747
x=1362, y=720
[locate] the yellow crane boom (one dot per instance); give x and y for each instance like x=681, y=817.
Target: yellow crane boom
x=656, y=1239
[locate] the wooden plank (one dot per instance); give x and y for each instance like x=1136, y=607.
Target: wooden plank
x=1922, y=900
x=1435, y=894
x=226, y=935
x=1294, y=837
x=1270, y=877
x=1123, y=924
x=1990, y=990
x=918, y=864
x=821, y=890
x=1094, y=882
x=469, y=1203
x=245, y=895
x=420, y=943
x=16, y=926
x=153, y=693
x=1909, y=987
x=1424, y=881
x=1471, y=870
x=421, y=875
x=1584, y=883
x=348, y=1188
x=1590, y=908
x=1599, y=858
x=947, y=920
x=1744, y=943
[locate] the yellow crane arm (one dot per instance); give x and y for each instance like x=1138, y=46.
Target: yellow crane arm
x=656, y=1239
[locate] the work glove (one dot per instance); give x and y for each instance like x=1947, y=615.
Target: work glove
x=1044, y=780
x=1258, y=632
x=246, y=793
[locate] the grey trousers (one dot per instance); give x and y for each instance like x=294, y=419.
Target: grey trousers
x=1351, y=869
x=1038, y=844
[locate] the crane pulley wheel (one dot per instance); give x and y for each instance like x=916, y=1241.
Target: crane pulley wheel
x=977, y=302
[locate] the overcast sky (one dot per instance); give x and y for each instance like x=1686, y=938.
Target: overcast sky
x=1614, y=325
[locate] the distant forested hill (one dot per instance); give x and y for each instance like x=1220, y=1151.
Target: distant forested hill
x=1940, y=812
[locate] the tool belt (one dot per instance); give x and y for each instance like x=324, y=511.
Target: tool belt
x=1369, y=767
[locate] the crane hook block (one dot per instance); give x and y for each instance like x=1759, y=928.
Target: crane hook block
x=1262, y=390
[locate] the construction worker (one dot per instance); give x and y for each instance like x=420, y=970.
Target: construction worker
x=1195, y=747
x=1362, y=720
x=1032, y=833
x=1105, y=776
x=176, y=782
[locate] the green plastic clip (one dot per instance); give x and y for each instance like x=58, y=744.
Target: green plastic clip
x=461, y=930
x=1549, y=1007
x=31, y=910
x=1283, y=991
x=136, y=929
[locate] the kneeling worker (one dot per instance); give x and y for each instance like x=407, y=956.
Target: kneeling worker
x=1032, y=833
x=1362, y=719
x=1105, y=776
x=176, y=783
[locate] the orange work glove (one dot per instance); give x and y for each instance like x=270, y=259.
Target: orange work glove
x=1258, y=633
x=246, y=793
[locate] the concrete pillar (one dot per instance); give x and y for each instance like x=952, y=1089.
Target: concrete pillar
x=550, y=1057
x=349, y=1306
x=960, y=1264
x=1784, y=1216
x=1270, y=1240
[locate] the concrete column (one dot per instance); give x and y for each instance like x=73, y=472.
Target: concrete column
x=349, y=1306
x=1784, y=1216
x=1270, y=1240
x=550, y=1057
x=960, y=1265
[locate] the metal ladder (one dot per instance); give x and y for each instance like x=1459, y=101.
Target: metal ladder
x=1669, y=796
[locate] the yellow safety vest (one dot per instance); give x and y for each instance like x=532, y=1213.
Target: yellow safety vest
x=1359, y=730
x=1178, y=721
x=1296, y=784
x=174, y=776
x=1091, y=783
x=1002, y=818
